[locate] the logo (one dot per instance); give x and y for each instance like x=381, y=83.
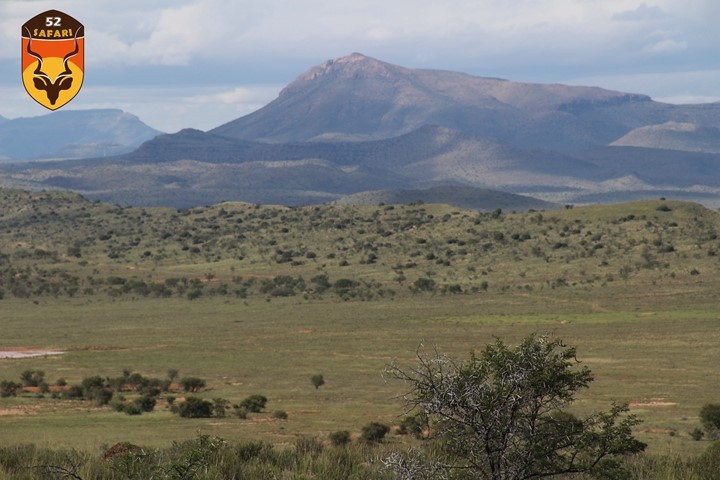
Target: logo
x=53, y=58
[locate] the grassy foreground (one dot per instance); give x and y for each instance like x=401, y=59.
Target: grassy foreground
x=659, y=358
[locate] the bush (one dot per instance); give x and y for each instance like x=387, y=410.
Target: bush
x=317, y=380
x=32, y=378
x=192, y=384
x=341, y=437
x=9, y=389
x=254, y=403
x=132, y=409
x=424, y=284
x=220, y=407
x=374, y=432
x=710, y=419
x=194, y=407
x=413, y=425
x=280, y=414
x=708, y=463
x=146, y=403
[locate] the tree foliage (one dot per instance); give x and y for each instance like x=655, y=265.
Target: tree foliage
x=317, y=380
x=710, y=419
x=502, y=413
x=194, y=407
x=192, y=384
x=254, y=403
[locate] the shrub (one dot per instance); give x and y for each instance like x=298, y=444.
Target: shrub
x=280, y=414
x=32, y=378
x=341, y=437
x=220, y=407
x=424, y=284
x=146, y=403
x=132, y=409
x=9, y=389
x=710, y=419
x=317, y=380
x=708, y=463
x=192, y=384
x=254, y=403
x=374, y=432
x=194, y=407
x=413, y=425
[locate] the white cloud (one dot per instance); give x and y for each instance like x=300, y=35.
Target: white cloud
x=668, y=46
x=642, y=13
x=275, y=40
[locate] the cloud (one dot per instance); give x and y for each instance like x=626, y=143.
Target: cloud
x=216, y=48
x=664, y=47
x=642, y=13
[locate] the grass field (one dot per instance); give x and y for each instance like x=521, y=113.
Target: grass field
x=634, y=287
x=659, y=358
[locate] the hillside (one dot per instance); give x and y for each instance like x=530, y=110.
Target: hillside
x=67, y=245
x=359, y=98
x=674, y=136
x=457, y=196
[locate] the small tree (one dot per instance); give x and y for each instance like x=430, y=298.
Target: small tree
x=9, y=388
x=341, y=437
x=220, y=406
x=710, y=419
x=32, y=378
x=254, y=403
x=146, y=403
x=192, y=384
x=194, y=407
x=317, y=380
x=501, y=413
x=374, y=432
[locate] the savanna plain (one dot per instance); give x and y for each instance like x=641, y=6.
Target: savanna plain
x=256, y=300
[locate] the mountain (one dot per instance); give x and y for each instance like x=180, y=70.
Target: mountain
x=461, y=197
x=357, y=124
x=674, y=136
x=360, y=98
x=72, y=134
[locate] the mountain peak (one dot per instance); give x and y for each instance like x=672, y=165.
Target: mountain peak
x=355, y=65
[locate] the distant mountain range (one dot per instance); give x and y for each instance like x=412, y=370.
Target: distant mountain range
x=72, y=134
x=357, y=124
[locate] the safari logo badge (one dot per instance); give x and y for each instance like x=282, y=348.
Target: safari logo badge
x=53, y=58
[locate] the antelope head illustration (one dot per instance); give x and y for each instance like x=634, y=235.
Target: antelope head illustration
x=42, y=81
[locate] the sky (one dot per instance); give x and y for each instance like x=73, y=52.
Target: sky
x=201, y=63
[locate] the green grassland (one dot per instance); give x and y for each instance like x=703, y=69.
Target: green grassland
x=256, y=299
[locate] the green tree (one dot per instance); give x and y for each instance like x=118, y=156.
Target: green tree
x=317, y=380
x=220, y=406
x=32, y=378
x=254, y=403
x=501, y=413
x=194, y=407
x=710, y=419
x=9, y=388
x=374, y=432
x=341, y=437
x=192, y=384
